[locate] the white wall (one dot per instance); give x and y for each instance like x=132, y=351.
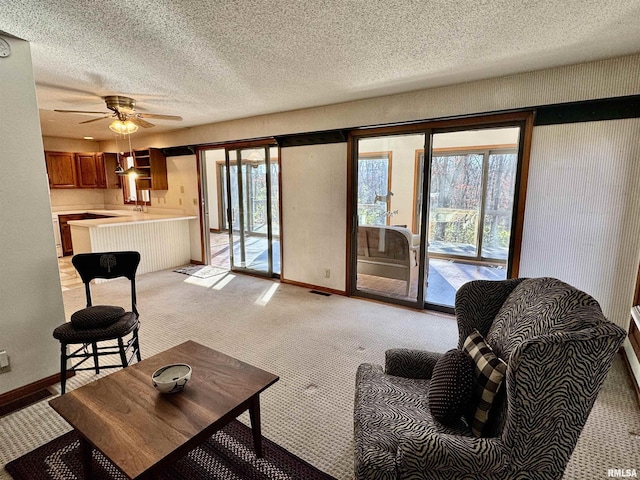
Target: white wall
x=314, y=180
x=582, y=221
x=30, y=292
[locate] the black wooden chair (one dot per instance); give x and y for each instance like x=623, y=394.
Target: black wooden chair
x=100, y=323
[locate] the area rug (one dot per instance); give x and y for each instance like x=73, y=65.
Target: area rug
x=228, y=455
x=201, y=271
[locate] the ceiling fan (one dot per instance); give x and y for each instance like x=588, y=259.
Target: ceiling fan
x=123, y=109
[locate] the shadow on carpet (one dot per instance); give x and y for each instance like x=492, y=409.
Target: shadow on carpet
x=227, y=455
x=201, y=271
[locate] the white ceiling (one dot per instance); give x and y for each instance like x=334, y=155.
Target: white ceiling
x=210, y=61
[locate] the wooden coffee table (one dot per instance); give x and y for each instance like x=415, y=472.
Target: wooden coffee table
x=141, y=430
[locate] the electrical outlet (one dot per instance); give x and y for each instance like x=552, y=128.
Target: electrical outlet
x=181, y=188
x=195, y=201
x=5, y=366
x=179, y=201
x=327, y=273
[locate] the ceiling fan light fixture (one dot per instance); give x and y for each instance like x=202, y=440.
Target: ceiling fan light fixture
x=123, y=127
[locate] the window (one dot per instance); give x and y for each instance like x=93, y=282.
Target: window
x=471, y=202
x=131, y=193
x=374, y=188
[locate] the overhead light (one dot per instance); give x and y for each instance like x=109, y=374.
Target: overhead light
x=123, y=127
x=133, y=172
x=88, y=138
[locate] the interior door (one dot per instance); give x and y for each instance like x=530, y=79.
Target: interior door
x=252, y=207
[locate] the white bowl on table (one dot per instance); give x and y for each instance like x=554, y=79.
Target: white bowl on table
x=171, y=378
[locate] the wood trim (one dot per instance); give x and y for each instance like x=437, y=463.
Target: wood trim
x=313, y=287
x=522, y=180
x=201, y=200
x=197, y=262
x=636, y=296
x=448, y=124
x=31, y=388
x=280, y=222
x=351, y=213
x=256, y=142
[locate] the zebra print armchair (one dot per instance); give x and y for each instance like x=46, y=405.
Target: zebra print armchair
x=558, y=348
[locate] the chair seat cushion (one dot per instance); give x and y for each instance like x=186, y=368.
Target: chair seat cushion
x=68, y=333
x=390, y=411
x=98, y=316
x=451, y=387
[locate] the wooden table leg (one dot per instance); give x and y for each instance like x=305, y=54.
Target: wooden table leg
x=85, y=453
x=254, y=414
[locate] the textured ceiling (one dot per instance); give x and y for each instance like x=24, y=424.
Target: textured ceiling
x=210, y=61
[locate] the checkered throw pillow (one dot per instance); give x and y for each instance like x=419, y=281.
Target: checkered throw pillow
x=489, y=373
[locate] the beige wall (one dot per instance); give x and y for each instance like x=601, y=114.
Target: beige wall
x=30, y=292
x=182, y=196
x=314, y=196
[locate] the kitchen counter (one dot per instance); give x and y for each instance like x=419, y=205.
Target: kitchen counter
x=162, y=240
x=125, y=216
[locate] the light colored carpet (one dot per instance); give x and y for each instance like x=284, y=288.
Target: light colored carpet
x=314, y=343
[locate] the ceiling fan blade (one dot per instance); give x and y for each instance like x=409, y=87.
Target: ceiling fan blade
x=81, y=111
x=140, y=122
x=159, y=117
x=95, y=119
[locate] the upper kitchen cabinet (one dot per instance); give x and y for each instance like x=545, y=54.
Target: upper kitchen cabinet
x=110, y=162
x=153, y=167
x=61, y=168
x=82, y=170
x=90, y=170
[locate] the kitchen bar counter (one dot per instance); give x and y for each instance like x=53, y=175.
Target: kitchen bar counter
x=162, y=240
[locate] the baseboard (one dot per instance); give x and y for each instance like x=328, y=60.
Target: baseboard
x=314, y=287
x=31, y=388
x=633, y=365
x=196, y=262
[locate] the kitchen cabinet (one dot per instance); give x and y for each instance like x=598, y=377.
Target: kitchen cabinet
x=110, y=162
x=65, y=231
x=90, y=170
x=61, y=169
x=153, y=167
x=65, y=228
x=82, y=169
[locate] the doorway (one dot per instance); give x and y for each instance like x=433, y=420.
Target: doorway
x=446, y=218
x=242, y=190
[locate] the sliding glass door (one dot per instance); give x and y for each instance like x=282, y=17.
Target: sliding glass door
x=426, y=224
x=387, y=237
x=252, y=212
